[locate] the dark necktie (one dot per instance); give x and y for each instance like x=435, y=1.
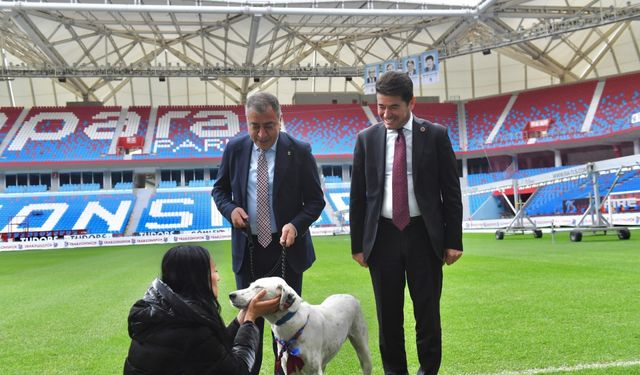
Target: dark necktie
x=400, y=203
x=263, y=209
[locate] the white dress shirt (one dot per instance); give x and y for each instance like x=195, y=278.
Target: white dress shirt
x=392, y=135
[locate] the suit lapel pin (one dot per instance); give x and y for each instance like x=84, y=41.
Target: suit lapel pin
x=289, y=153
x=423, y=129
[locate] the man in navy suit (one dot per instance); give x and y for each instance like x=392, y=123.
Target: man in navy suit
x=406, y=220
x=289, y=188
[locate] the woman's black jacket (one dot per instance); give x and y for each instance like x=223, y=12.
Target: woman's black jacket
x=170, y=335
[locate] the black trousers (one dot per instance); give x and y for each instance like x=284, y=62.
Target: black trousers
x=266, y=260
x=399, y=258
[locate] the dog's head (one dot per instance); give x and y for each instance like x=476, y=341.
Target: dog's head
x=275, y=286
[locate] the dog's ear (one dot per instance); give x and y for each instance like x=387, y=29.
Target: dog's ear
x=287, y=298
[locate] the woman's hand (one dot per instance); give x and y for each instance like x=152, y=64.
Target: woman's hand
x=258, y=308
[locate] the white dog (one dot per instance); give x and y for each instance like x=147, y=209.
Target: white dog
x=309, y=336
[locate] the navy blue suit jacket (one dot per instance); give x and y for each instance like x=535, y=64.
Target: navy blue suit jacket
x=297, y=195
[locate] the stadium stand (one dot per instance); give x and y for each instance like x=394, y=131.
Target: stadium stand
x=445, y=114
x=26, y=189
x=485, y=178
x=95, y=212
x=181, y=209
x=195, y=131
x=137, y=121
x=619, y=102
x=330, y=129
x=323, y=219
x=8, y=116
x=566, y=105
x=482, y=115
x=337, y=194
x=201, y=183
x=64, y=134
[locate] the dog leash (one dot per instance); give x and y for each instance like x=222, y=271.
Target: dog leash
x=272, y=272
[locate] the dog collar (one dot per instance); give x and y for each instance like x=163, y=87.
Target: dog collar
x=285, y=318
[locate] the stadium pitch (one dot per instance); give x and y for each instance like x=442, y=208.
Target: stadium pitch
x=517, y=306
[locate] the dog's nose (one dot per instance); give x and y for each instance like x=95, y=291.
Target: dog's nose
x=232, y=296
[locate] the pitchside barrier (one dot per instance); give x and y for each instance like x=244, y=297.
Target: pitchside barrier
x=168, y=237
x=569, y=221
x=94, y=240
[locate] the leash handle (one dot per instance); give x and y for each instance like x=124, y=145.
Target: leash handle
x=252, y=246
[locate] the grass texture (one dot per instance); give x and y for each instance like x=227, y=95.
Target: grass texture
x=507, y=306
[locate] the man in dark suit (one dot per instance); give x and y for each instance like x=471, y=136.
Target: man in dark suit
x=406, y=220
x=269, y=181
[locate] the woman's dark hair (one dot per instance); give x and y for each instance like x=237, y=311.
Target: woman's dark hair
x=395, y=83
x=187, y=271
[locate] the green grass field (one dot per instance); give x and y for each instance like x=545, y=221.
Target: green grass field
x=507, y=306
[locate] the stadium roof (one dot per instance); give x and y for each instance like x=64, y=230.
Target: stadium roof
x=220, y=51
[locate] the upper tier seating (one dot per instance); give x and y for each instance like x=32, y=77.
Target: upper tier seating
x=620, y=100
x=445, y=114
x=330, y=129
x=566, y=105
x=8, y=116
x=95, y=213
x=195, y=131
x=482, y=115
x=137, y=121
x=64, y=134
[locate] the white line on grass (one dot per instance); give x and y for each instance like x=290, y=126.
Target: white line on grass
x=585, y=366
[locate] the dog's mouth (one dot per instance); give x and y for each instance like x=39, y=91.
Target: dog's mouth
x=238, y=306
x=236, y=301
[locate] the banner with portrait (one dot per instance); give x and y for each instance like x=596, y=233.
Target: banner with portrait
x=410, y=66
x=389, y=66
x=370, y=78
x=430, y=67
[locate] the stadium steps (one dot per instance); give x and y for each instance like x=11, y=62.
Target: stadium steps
x=462, y=127
x=13, y=130
x=151, y=130
x=588, y=120
x=327, y=206
x=367, y=111
x=118, y=130
x=143, y=196
x=503, y=117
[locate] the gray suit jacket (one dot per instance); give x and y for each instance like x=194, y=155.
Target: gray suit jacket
x=435, y=180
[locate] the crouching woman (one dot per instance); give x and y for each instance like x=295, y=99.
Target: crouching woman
x=176, y=328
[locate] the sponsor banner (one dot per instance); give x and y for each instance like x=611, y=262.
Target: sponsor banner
x=81, y=243
x=115, y=241
x=40, y=245
x=190, y=237
x=85, y=236
x=326, y=231
x=159, y=233
x=207, y=231
x=37, y=239
x=149, y=240
x=10, y=246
